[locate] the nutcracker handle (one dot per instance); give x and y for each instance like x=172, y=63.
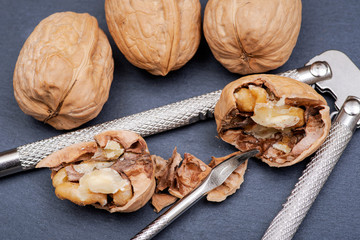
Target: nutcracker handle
x=288, y=220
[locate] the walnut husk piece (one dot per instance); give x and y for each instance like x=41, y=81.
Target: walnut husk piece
x=64, y=70
x=281, y=141
x=252, y=36
x=155, y=35
x=115, y=173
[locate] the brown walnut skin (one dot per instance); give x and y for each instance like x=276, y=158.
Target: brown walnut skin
x=64, y=70
x=188, y=176
x=137, y=165
x=295, y=93
x=156, y=35
x=252, y=36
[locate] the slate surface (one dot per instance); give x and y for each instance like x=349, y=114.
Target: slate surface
x=30, y=210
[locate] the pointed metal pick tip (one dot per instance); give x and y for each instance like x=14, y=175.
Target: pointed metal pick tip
x=246, y=155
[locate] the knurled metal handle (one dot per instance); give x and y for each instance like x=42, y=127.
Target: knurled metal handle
x=145, y=123
x=288, y=220
x=153, y=229
x=171, y=214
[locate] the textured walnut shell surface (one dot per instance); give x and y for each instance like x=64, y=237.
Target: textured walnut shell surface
x=139, y=168
x=295, y=93
x=155, y=35
x=188, y=176
x=162, y=200
x=64, y=70
x=166, y=172
x=252, y=36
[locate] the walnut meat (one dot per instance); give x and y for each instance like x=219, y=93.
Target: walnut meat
x=252, y=36
x=64, y=71
x=158, y=36
x=115, y=173
x=286, y=120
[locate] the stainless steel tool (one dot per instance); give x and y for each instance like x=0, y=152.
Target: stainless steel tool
x=145, y=123
x=345, y=87
x=217, y=176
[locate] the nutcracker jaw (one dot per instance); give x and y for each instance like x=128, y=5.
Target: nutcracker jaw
x=345, y=79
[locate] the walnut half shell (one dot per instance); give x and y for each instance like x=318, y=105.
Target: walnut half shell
x=155, y=35
x=286, y=120
x=115, y=173
x=64, y=71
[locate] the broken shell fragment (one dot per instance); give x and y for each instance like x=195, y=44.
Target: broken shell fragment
x=115, y=173
x=162, y=200
x=286, y=126
x=165, y=175
x=188, y=176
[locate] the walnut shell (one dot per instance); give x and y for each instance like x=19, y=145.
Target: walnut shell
x=252, y=36
x=134, y=164
x=158, y=36
x=238, y=128
x=162, y=200
x=64, y=71
x=188, y=176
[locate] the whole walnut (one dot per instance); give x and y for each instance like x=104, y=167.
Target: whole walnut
x=64, y=71
x=158, y=36
x=286, y=120
x=115, y=172
x=252, y=36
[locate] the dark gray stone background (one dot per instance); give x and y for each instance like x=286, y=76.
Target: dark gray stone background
x=29, y=208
